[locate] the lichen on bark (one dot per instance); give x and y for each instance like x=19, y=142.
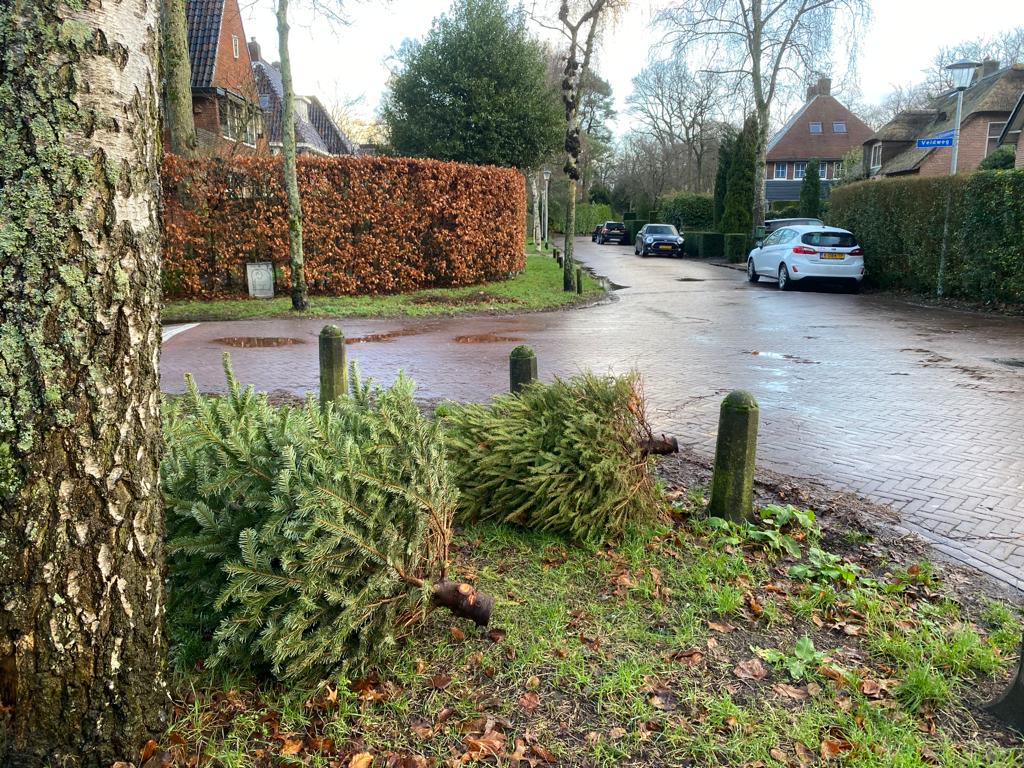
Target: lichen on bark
x=81, y=620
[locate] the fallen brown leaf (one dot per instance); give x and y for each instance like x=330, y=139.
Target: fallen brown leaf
x=497, y=635
x=292, y=746
x=790, y=691
x=361, y=760
x=458, y=635
x=691, y=658
x=529, y=702
x=721, y=627
x=832, y=748
x=440, y=681
x=751, y=669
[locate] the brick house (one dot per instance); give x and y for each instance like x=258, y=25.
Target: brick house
x=988, y=104
x=1013, y=131
x=225, y=101
x=823, y=129
x=315, y=130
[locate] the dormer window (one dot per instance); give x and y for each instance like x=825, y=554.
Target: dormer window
x=815, y=128
x=234, y=45
x=839, y=126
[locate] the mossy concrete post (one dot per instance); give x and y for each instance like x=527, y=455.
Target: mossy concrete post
x=1010, y=706
x=732, y=487
x=579, y=281
x=333, y=366
x=522, y=368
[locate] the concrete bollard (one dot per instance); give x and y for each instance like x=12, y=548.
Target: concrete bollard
x=333, y=366
x=522, y=368
x=1010, y=706
x=579, y=281
x=732, y=486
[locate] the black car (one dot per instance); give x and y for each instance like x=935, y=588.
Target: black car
x=660, y=239
x=608, y=232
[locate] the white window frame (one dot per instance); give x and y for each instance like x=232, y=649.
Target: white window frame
x=839, y=122
x=876, y=149
x=821, y=128
x=837, y=169
x=990, y=137
x=235, y=46
x=780, y=166
x=799, y=170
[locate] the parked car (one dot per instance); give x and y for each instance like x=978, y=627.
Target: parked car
x=595, y=233
x=663, y=239
x=771, y=225
x=609, y=231
x=808, y=252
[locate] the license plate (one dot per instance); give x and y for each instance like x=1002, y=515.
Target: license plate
x=836, y=256
x=665, y=247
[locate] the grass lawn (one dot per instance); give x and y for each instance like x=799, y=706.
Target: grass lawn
x=538, y=287
x=693, y=643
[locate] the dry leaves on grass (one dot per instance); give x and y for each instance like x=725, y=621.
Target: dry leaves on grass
x=751, y=669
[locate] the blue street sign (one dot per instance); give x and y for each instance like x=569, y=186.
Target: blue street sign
x=936, y=142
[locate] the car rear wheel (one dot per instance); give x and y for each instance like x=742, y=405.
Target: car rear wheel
x=785, y=284
x=752, y=275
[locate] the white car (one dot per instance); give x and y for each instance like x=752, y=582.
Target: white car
x=808, y=252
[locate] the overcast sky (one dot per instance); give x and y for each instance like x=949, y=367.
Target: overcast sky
x=340, y=64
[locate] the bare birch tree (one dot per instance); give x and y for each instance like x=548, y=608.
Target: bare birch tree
x=82, y=649
x=768, y=43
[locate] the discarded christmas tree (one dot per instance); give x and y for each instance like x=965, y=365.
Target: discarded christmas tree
x=305, y=542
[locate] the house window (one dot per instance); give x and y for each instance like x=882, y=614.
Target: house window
x=876, y=156
x=839, y=126
x=799, y=170
x=815, y=127
x=837, y=170
x=995, y=130
x=234, y=45
x=780, y=170
x=238, y=121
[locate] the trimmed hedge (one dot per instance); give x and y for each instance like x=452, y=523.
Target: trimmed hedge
x=633, y=227
x=371, y=225
x=900, y=224
x=704, y=245
x=688, y=211
x=737, y=246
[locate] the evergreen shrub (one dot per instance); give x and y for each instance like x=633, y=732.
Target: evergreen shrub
x=563, y=457
x=688, y=211
x=302, y=543
x=737, y=246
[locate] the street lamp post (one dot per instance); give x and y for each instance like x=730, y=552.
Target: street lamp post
x=963, y=73
x=547, y=185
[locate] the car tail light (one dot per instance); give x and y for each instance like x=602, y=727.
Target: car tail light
x=858, y=251
x=604, y=231
x=804, y=250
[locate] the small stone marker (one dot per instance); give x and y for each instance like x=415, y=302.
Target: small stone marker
x=1010, y=706
x=522, y=368
x=732, y=487
x=579, y=281
x=260, y=277
x=333, y=366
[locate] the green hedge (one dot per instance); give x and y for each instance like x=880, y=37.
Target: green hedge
x=704, y=245
x=688, y=211
x=737, y=246
x=634, y=226
x=588, y=216
x=900, y=223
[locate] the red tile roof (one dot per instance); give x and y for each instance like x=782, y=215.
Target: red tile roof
x=796, y=142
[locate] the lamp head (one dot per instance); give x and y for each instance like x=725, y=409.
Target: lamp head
x=547, y=175
x=962, y=73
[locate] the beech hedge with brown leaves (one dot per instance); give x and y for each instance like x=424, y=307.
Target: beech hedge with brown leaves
x=371, y=225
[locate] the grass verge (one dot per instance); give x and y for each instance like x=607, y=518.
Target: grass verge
x=538, y=287
x=692, y=643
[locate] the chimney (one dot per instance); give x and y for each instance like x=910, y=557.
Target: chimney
x=824, y=86
x=254, y=50
x=988, y=67
x=276, y=65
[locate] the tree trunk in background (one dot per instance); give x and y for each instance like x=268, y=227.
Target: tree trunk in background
x=569, y=269
x=178, y=79
x=534, y=188
x=82, y=650
x=762, y=164
x=300, y=292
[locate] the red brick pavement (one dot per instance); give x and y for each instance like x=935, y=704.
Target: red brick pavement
x=905, y=405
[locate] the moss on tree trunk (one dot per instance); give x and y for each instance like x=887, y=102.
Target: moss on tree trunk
x=178, y=79
x=81, y=531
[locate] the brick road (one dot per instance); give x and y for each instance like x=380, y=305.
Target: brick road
x=907, y=405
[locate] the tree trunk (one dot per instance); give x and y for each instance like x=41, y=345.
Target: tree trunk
x=300, y=293
x=82, y=651
x=178, y=79
x=762, y=164
x=568, y=268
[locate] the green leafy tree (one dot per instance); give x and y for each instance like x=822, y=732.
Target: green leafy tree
x=1002, y=159
x=739, y=194
x=810, y=191
x=725, y=152
x=474, y=90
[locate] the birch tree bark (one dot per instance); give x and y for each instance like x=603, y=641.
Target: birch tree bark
x=177, y=73
x=81, y=529
x=300, y=292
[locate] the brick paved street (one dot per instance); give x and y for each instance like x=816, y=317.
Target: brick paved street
x=906, y=405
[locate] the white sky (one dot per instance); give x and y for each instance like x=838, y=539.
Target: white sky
x=343, y=63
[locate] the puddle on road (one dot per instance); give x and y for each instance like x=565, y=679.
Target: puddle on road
x=256, y=342
x=485, y=338
x=1011, y=362
x=780, y=356
x=373, y=338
